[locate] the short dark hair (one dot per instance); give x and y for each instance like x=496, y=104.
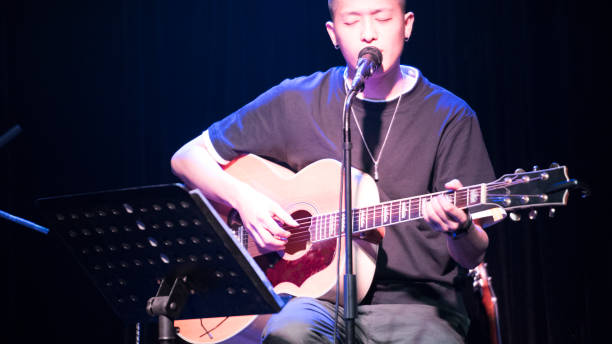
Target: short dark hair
x=330, y=6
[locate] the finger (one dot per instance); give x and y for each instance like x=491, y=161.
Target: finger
x=430, y=216
x=438, y=208
x=256, y=236
x=449, y=213
x=284, y=216
x=453, y=184
x=270, y=240
x=272, y=227
x=458, y=216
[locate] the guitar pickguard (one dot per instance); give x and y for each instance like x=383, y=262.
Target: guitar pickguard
x=278, y=270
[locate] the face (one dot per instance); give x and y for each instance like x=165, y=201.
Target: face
x=379, y=23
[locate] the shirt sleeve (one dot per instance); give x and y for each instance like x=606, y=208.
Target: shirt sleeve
x=462, y=153
x=256, y=128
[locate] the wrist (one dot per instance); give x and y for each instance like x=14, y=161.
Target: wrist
x=462, y=230
x=234, y=192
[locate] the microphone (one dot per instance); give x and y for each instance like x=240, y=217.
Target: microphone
x=370, y=58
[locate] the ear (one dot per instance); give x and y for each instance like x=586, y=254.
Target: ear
x=331, y=31
x=408, y=22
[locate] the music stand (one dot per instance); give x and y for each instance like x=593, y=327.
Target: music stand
x=164, y=241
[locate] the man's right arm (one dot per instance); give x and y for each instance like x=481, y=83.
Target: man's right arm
x=196, y=167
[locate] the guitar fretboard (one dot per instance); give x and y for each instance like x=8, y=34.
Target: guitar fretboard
x=330, y=225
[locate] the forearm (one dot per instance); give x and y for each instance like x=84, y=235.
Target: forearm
x=194, y=165
x=469, y=249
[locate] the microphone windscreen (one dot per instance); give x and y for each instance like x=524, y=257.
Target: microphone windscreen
x=373, y=54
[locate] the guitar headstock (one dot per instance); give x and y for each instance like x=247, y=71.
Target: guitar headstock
x=537, y=188
x=480, y=276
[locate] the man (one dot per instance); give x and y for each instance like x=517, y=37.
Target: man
x=412, y=135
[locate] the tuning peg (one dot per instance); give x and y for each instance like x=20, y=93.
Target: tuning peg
x=554, y=165
x=519, y=170
x=515, y=217
x=552, y=212
x=533, y=214
x=536, y=167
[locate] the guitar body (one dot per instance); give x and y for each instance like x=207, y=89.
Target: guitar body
x=242, y=329
x=304, y=268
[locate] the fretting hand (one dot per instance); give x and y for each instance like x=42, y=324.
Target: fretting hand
x=441, y=214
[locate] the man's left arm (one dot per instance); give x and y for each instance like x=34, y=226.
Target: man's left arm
x=467, y=242
x=462, y=155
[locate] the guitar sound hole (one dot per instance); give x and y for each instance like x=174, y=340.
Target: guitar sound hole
x=300, y=236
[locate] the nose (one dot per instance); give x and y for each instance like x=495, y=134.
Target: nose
x=368, y=31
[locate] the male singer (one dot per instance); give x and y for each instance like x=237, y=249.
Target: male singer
x=412, y=135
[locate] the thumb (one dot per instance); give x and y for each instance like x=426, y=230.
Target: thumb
x=453, y=184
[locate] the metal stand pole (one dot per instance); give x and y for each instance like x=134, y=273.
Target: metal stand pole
x=350, y=296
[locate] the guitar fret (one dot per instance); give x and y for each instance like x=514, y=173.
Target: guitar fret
x=422, y=201
x=311, y=229
x=376, y=216
x=361, y=219
x=325, y=227
x=335, y=224
x=464, y=199
x=474, y=196
x=322, y=235
x=385, y=214
x=414, y=208
x=397, y=217
x=405, y=210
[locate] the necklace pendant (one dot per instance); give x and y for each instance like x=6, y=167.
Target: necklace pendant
x=375, y=172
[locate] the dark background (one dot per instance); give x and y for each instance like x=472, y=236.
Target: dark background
x=106, y=91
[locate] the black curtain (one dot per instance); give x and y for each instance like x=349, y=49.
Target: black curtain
x=106, y=91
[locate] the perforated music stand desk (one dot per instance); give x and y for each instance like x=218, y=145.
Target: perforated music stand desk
x=131, y=241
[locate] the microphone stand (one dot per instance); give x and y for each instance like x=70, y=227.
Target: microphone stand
x=350, y=296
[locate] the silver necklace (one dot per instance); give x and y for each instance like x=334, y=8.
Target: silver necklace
x=377, y=160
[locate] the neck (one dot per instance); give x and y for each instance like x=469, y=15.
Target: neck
x=383, y=86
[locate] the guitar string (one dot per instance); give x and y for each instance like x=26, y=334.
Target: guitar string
x=416, y=200
x=327, y=219
x=304, y=233
x=458, y=195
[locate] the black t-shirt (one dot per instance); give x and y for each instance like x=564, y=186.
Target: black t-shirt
x=435, y=137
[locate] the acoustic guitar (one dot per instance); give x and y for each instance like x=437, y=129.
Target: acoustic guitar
x=307, y=267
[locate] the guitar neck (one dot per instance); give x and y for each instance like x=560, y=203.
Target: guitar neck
x=330, y=225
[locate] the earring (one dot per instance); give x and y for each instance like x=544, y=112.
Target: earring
x=406, y=39
x=336, y=46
